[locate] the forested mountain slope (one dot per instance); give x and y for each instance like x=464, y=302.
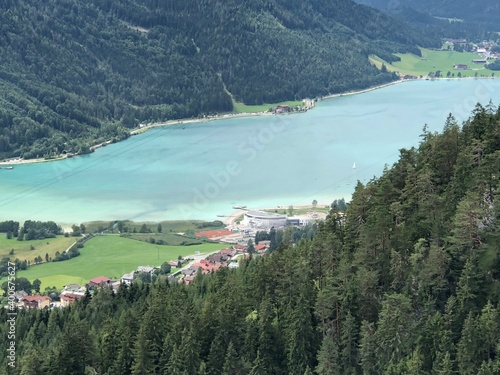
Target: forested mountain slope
x=487, y=11
x=408, y=282
x=75, y=72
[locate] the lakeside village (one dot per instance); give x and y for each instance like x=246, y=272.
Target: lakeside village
x=238, y=236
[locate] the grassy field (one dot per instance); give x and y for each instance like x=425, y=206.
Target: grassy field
x=22, y=249
x=167, y=226
x=432, y=61
x=110, y=256
x=170, y=239
x=243, y=108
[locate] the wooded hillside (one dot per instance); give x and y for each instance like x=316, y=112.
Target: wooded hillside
x=76, y=72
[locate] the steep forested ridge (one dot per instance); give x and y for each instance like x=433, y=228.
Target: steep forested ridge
x=478, y=19
x=407, y=282
x=478, y=10
x=76, y=72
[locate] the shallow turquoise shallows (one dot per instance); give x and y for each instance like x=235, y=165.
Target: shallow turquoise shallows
x=199, y=171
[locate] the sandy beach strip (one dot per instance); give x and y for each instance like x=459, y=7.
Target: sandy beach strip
x=14, y=162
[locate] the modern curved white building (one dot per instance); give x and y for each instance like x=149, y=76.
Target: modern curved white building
x=260, y=219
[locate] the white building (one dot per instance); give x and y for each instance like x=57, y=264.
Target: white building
x=260, y=219
x=298, y=221
x=127, y=278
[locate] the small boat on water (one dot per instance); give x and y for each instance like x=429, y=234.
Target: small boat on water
x=7, y=167
x=239, y=207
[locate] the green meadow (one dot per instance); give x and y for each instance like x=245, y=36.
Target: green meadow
x=29, y=250
x=110, y=256
x=432, y=61
x=167, y=226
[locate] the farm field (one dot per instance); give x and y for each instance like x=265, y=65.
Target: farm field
x=432, y=61
x=110, y=256
x=23, y=249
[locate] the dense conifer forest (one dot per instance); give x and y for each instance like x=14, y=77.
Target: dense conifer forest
x=407, y=281
x=75, y=73
x=474, y=20
x=486, y=11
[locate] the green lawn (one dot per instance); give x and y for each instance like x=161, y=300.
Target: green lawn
x=431, y=61
x=110, y=256
x=243, y=108
x=22, y=249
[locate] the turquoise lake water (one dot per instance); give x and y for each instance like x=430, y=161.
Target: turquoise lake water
x=199, y=171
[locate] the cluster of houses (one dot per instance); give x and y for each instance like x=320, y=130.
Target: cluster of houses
x=211, y=264
x=283, y=108
x=69, y=294
x=223, y=258
x=28, y=302
x=128, y=278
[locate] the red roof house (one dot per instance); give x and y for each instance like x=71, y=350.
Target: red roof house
x=68, y=298
x=261, y=247
x=37, y=301
x=99, y=281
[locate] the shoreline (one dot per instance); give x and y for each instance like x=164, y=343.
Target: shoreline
x=187, y=121
x=363, y=91
x=224, y=116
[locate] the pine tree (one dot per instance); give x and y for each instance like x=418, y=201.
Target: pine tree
x=489, y=326
x=190, y=352
x=232, y=363
x=444, y=365
x=108, y=343
x=259, y=367
x=203, y=369
x=349, y=342
x=487, y=368
x=176, y=365
x=367, y=348
x=470, y=288
x=299, y=337
x=395, y=332
x=415, y=363
x=166, y=352
x=328, y=357
x=144, y=355
x=216, y=356
x=269, y=344
x=468, y=351
x=31, y=362
x=75, y=350
x=125, y=351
